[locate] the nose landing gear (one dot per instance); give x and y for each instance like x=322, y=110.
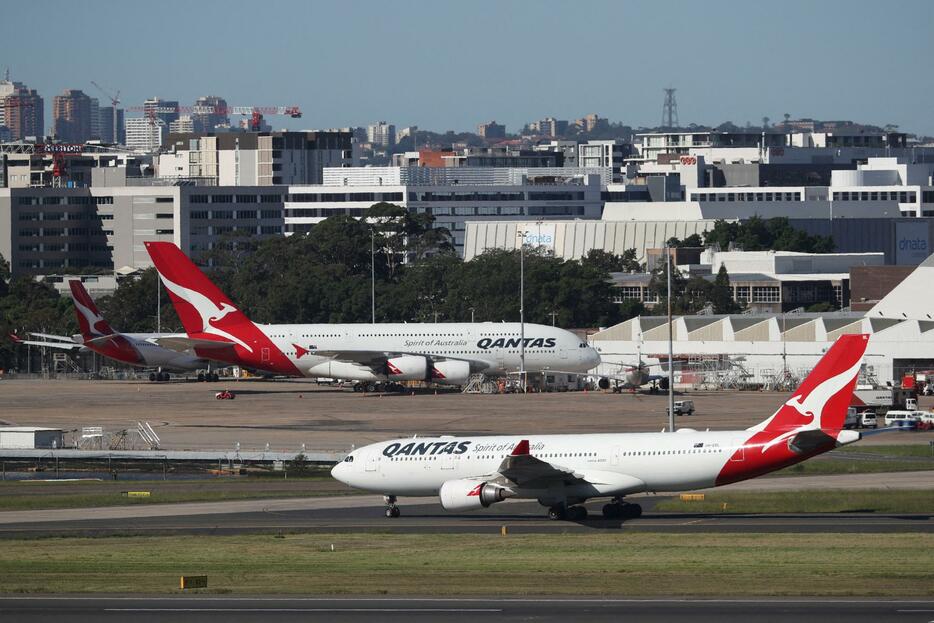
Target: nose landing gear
x=392, y=511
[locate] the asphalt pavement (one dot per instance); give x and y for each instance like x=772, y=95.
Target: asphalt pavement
x=287, y=609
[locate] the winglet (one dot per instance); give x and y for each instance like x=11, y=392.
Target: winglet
x=521, y=448
x=14, y=337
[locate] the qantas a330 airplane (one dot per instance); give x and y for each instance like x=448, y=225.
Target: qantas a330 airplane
x=137, y=349
x=445, y=353
x=563, y=471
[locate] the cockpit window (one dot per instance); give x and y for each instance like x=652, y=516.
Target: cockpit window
x=348, y=459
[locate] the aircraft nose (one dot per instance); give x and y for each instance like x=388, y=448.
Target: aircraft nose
x=593, y=357
x=338, y=471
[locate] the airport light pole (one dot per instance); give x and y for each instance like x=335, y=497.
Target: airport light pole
x=671, y=370
x=372, y=276
x=520, y=236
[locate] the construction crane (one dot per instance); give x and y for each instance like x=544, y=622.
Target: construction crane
x=114, y=100
x=254, y=112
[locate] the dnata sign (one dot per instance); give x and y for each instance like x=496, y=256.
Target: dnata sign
x=912, y=244
x=538, y=235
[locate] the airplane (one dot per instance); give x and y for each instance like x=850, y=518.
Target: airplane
x=137, y=349
x=564, y=471
x=374, y=355
x=635, y=376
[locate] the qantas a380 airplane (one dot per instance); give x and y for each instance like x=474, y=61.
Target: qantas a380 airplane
x=563, y=471
x=445, y=353
x=137, y=349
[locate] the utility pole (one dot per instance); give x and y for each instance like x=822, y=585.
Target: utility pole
x=372, y=276
x=671, y=370
x=520, y=236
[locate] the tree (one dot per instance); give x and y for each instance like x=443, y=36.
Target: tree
x=401, y=235
x=721, y=294
x=612, y=263
x=757, y=234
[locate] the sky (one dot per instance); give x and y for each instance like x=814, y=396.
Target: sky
x=451, y=65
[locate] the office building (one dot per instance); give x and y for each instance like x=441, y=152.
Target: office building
x=381, y=133
x=144, y=134
x=209, y=112
x=165, y=111
x=491, y=130
x=455, y=196
x=22, y=111
x=255, y=158
x=107, y=125
x=71, y=112
x=69, y=230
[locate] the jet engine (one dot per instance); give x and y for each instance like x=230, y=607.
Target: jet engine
x=407, y=368
x=468, y=495
x=450, y=372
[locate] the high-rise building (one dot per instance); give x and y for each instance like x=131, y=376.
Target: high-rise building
x=144, y=134
x=107, y=125
x=381, y=133
x=164, y=110
x=95, y=117
x=72, y=114
x=491, y=130
x=21, y=110
x=210, y=111
x=183, y=124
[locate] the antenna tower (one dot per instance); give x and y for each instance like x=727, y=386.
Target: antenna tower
x=670, y=110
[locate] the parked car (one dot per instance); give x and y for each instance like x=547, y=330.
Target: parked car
x=867, y=419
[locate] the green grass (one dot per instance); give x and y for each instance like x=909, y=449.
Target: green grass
x=879, y=501
x=598, y=563
x=918, y=450
x=27, y=495
x=818, y=466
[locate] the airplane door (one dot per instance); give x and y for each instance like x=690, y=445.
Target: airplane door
x=614, y=458
x=372, y=463
x=562, y=352
x=738, y=451
x=264, y=354
x=447, y=461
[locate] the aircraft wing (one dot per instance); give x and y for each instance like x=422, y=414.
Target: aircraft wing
x=71, y=345
x=525, y=471
x=376, y=359
x=188, y=345
x=50, y=336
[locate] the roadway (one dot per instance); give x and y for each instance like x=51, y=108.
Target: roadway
x=364, y=513
x=287, y=609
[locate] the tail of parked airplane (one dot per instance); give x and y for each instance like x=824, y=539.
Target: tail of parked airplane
x=218, y=330
x=203, y=309
x=90, y=321
x=808, y=423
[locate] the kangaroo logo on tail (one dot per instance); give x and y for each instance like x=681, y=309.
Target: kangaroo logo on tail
x=89, y=318
x=812, y=405
x=209, y=311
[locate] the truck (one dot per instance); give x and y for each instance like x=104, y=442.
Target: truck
x=881, y=399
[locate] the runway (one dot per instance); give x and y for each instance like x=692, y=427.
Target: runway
x=287, y=609
x=348, y=514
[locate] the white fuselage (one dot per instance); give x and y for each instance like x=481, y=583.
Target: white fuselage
x=491, y=348
x=625, y=462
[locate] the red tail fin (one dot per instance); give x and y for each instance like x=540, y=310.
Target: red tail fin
x=201, y=306
x=90, y=321
x=207, y=313
x=821, y=401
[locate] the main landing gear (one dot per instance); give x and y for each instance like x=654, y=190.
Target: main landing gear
x=159, y=376
x=210, y=377
x=392, y=511
x=571, y=513
x=618, y=509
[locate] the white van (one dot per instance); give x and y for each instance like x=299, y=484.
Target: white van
x=901, y=417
